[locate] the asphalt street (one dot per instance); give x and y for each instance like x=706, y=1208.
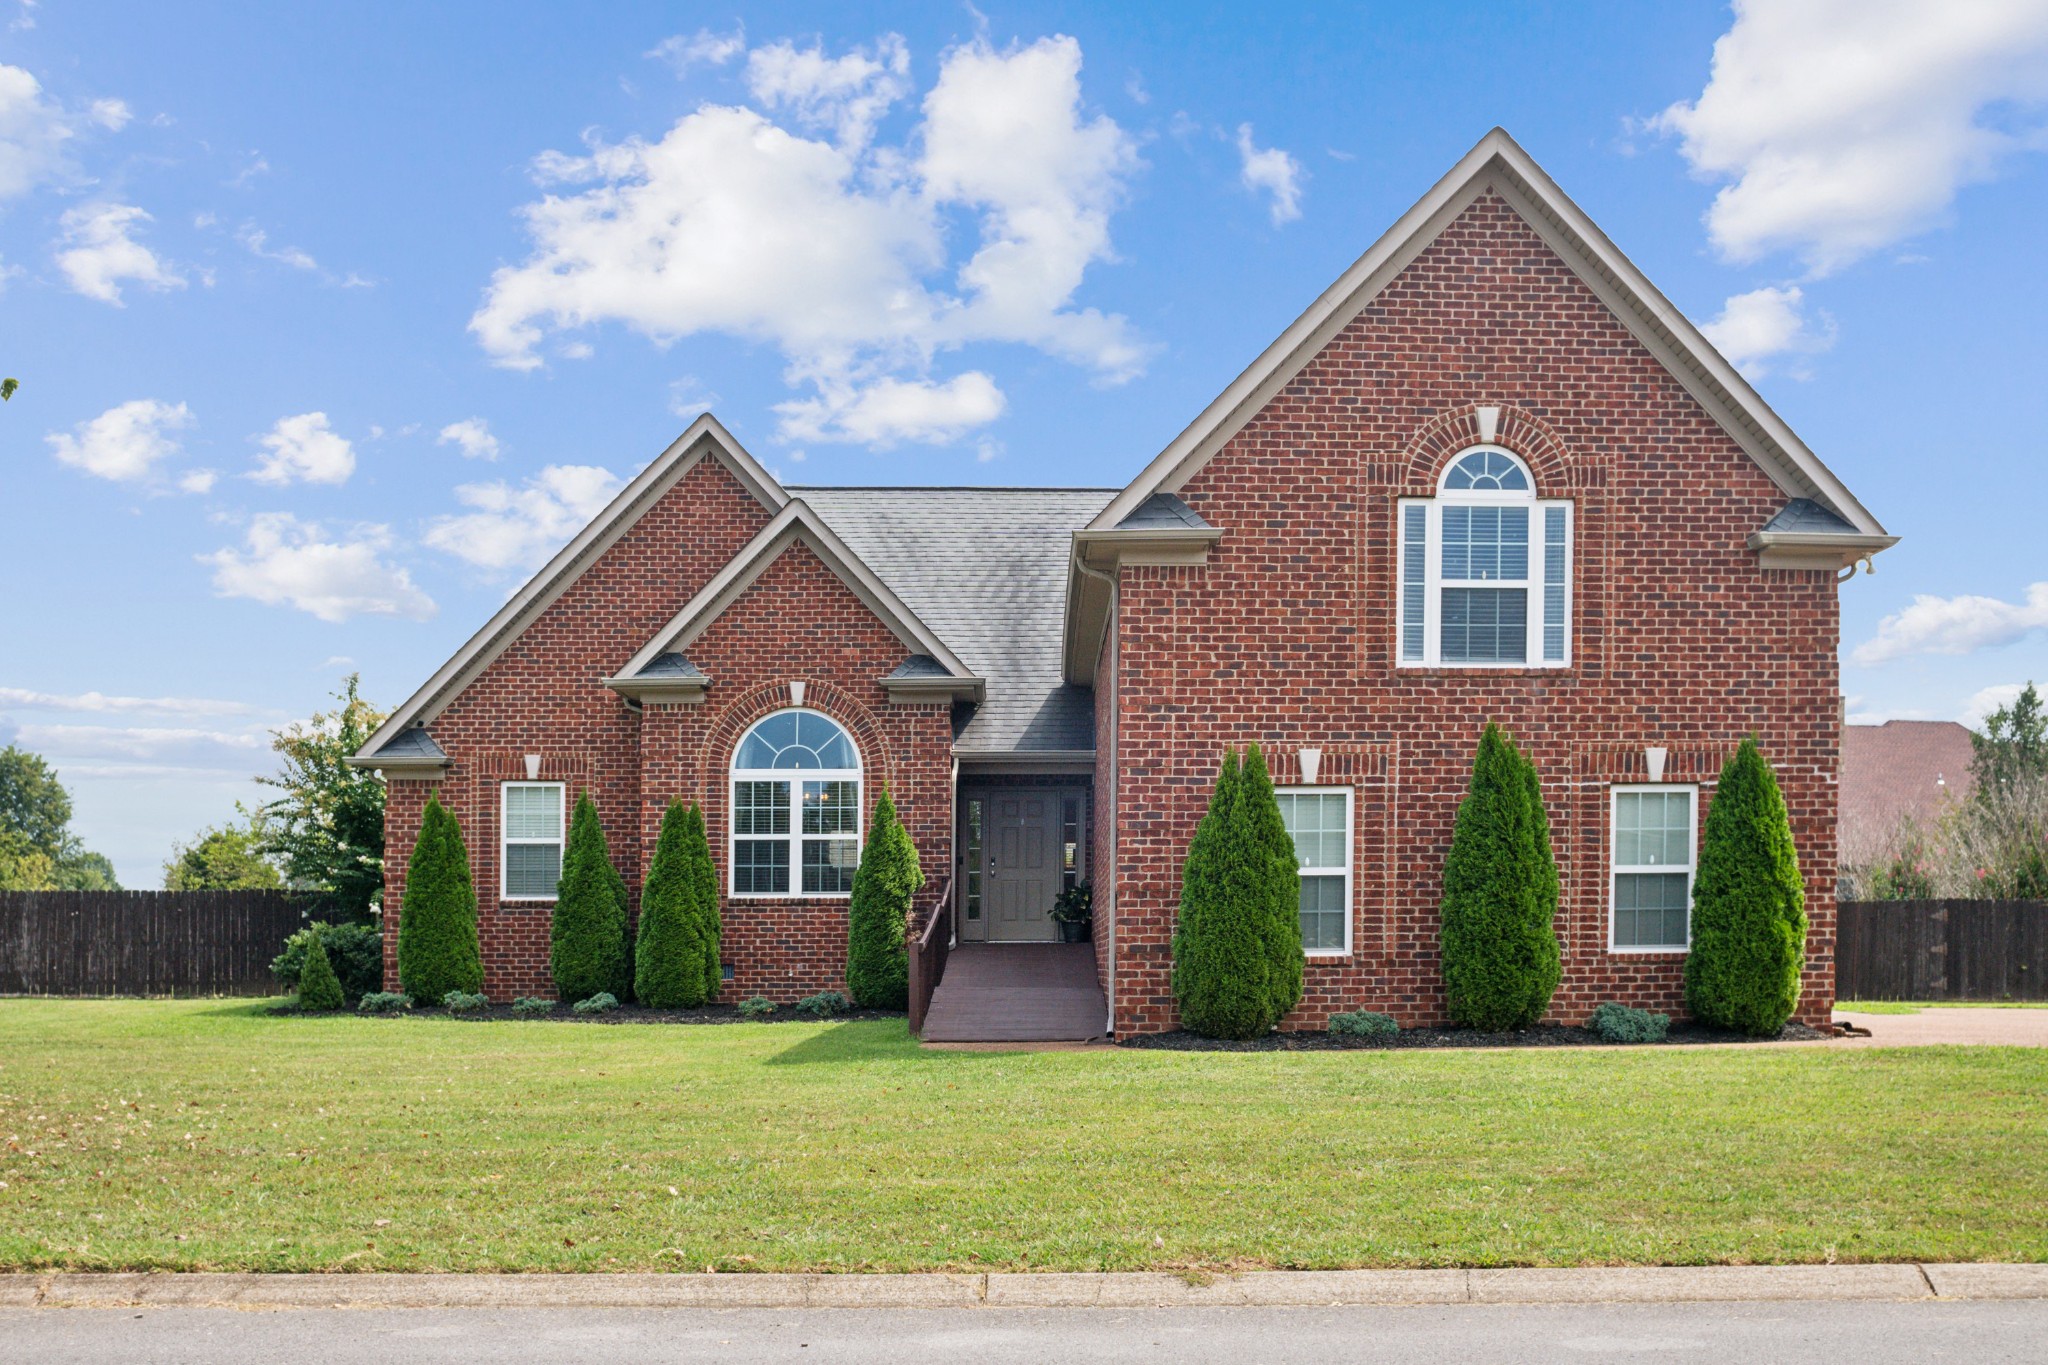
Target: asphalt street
x=1867, y=1333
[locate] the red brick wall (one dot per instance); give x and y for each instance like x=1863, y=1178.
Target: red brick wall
x=1287, y=635
x=544, y=695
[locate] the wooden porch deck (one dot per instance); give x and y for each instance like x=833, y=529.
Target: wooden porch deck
x=1017, y=993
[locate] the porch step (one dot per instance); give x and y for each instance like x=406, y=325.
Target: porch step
x=1017, y=993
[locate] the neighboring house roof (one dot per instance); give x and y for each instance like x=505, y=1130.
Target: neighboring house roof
x=1898, y=771
x=1499, y=163
x=987, y=569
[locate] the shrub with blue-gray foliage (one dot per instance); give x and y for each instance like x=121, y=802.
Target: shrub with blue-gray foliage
x=1617, y=1023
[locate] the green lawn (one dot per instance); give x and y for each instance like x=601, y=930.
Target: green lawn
x=1915, y=1006
x=205, y=1134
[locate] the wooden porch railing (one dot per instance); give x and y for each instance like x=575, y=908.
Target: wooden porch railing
x=928, y=956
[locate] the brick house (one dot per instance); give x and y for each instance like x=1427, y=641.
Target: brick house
x=1491, y=474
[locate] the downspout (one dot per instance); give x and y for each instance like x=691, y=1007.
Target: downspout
x=1108, y=996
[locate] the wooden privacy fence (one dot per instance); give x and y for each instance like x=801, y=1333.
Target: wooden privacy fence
x=1942, y=950
x=146, y=942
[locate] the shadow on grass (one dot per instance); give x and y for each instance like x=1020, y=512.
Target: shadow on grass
x=867, y=1040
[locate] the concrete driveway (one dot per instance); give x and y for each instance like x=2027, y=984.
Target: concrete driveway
x=2010, y=1028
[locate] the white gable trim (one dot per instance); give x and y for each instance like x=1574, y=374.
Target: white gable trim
x=705, y=436
x=797, y=523
x=1500, y=164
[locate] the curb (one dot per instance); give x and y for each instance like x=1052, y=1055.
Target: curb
x=1266, y=1288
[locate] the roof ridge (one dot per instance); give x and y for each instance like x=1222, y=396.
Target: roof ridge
x=945, y=488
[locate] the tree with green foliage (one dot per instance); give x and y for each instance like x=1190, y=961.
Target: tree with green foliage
x=1748, y=904
x=878, y=917
x=2013, y=748
x=1500, y=956
x=587, y=947
x=80, y=870
x=327, y=829
x=226, y=857
x=23, y=866
x=437, y=939
x=1237, y=963
x=355, y=951
x=676, y=954
x=319, y=987
x=38, y=851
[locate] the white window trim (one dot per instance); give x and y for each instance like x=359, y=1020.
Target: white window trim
x=505, y=840
x=795, y=777
x=1614, y=870
x=1432, y=559
x=1350, y=857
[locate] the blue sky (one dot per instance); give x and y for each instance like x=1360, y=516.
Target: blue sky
x=331, y=325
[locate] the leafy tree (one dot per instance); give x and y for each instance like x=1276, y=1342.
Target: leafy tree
x=355, y=951
x=676, y=954
x=2013, y=749
x=319, y=987
x=327, y=829
x=877, y=918
x=437, y=940
x=1500, y=954
x=587, y=950
x=33, y=803
x=226, y=857
x=1748, y=904
x=23, y=866
x=7, y=388
x=80, y=870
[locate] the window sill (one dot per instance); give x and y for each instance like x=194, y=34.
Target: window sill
x=1326, y=954
x=1614, y=951
x=533, y=901
x=1410, y=666
x=789, y=896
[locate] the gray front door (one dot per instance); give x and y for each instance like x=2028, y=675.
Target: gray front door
x=1022, y=838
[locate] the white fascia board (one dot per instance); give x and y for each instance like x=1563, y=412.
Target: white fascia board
x=1500, y=163
x=705, y=436
x=795, y=522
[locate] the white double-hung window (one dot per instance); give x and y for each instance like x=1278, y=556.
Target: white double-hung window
x=1655, y=847
x=1485, y=569
x=531, y=866
x=1318, y=819
x=795, y=808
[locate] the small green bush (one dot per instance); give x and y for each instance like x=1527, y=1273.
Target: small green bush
x=384, y=1002
x=1748, y=905
x=437, y=943
x=354, y=951
x=1364, y=1024
x=824, y=1004
x=532, y=1006
x=587, y=939
x=1624, y=1024
x=756, y=1007
x=465, y=1002
x=319, y=988
x=877, y=960
x=1499, y=939
x=604, y=1002
x=676, y=956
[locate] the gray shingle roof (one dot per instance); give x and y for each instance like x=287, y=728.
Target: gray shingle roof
x=1807, y=516
x=985, y=568
x=671, y=665
x=414, y=743
x=1163, y=511
x=920, y=666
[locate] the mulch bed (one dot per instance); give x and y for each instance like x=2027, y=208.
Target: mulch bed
x=1543, y=1035
x=626, y=1014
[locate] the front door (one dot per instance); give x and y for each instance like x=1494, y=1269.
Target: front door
x=1022, y=837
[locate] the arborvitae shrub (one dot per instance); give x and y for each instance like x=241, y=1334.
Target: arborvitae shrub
x=1500, y=954
x=1237, y=945
x=1617, y=1023
x=437, y=943
x=587, y=950
x=319, y=987
x=676, y=952
x=1748, y=905
x=354, y=951
x=877, y=959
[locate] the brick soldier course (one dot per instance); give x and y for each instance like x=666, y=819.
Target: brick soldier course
x=1244, y=587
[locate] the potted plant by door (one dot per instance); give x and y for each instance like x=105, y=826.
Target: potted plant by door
x=1074, y=912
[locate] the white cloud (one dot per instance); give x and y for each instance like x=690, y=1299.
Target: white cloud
x=33, y=131
x=1270, y=171
x=287, y=562
x=124, y=443
x=687, y=398
x=835, y=250
x=1985, y=700
x=1954, y=625
x=258, y=243
x=682, y=52
x=1759, y=326
x=518, y=528
x=846, y=95
x=136, y=741
x=199, y=481
x=304, y=449
x=473, y=435
x=101, y=702
x=99, y=253
x=1843, y=126
x=110, y=114
x=891, y=410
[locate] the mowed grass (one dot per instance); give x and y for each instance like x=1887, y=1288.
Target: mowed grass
x=207, y=1135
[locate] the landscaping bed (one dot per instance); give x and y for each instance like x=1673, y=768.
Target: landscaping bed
x=619, y=1014
x=1543, y=1035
